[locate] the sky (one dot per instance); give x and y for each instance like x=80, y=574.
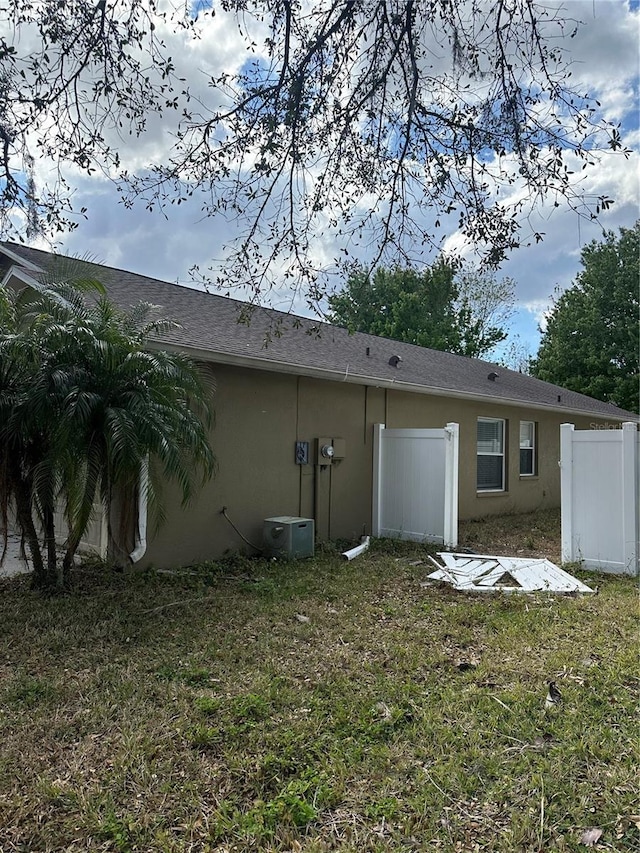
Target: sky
x=605, y=56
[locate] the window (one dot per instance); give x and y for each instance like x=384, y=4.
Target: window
x=491, y=432
x=527, y=448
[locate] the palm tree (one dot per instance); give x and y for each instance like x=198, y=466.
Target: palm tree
x=86, y=402
x=21, y=449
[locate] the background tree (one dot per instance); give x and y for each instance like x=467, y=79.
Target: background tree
x=436, y=308
x=84, y=405
x=591, y=343
x=516, y=355
x=387, y=125
x=401, y=304
x=485, y=305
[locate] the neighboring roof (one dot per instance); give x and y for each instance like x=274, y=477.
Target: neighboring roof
x=209, y=330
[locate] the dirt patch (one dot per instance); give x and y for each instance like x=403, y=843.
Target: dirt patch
x=533, y=534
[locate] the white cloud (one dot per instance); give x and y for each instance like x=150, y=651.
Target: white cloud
x=539, y=310
x=604, y=51
x=604, y=56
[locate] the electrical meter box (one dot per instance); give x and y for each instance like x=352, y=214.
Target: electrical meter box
x=288, y=536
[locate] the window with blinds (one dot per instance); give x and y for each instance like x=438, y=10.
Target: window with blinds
x=490, y=455
x=527, y=448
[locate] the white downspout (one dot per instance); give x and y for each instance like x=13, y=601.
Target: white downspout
x=141, y=527
x=352, y=553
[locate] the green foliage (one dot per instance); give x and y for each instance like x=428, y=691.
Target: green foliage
x=443, y=307
x=291, y=806
x=85, y=408
x=116, y=830
x=591, y=342
x=27, y=691
x=208, y=706
x=251, y=707
x=196, y=677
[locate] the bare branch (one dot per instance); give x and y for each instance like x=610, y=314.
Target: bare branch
x=388, y=124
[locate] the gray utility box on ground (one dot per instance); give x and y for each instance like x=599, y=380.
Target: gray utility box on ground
x=288, y=536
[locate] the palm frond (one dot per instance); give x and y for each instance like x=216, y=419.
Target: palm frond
x=85, y=402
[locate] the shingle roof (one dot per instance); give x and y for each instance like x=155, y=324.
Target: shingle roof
x=209, y=328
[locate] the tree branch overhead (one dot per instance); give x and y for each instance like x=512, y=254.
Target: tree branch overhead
x=386, y=125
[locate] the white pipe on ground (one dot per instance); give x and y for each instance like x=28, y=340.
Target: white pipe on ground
x=352, y=553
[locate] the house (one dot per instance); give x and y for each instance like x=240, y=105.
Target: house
x=287, y=386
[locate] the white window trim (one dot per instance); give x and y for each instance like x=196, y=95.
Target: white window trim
x=503, y=454
x=533, y=448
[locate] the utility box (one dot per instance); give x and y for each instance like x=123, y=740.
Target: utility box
x=339, y=449
x=288, y=536
x=324, y=451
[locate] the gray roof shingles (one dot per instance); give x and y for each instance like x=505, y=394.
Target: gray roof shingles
x=209, y=325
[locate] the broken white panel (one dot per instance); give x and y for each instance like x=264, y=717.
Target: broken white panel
x=483, y=573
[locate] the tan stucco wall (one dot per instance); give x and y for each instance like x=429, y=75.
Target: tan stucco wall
x=259, y=417
x=522, y=493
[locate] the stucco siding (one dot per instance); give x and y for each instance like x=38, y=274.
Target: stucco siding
x=259, y=417
x=318, y=380
x=253, y=439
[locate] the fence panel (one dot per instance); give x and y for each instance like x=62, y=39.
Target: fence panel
x=600, y=472
x=95, y=536
x=415, y=489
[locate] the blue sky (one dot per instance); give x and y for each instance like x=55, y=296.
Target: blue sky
x=605, y=54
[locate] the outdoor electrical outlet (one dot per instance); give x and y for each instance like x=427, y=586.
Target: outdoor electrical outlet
x=302, y=452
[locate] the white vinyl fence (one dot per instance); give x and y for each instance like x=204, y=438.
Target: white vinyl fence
x=415, y=484
x=95, y=539
x=599, y=482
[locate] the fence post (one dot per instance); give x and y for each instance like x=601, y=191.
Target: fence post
x=377, y=479
x=628, y=478
x=566, y=492
x=451, y=436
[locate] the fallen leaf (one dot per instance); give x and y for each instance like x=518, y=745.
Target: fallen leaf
x=542, y=742
x=590, y=837
x=384, y=711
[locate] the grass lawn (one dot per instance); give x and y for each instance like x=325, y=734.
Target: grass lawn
x=318, y=705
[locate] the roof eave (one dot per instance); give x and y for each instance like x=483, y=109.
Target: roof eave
x=22, y=276
x=20, y=261
x=256, y=363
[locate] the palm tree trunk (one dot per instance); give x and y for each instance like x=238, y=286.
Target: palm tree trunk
x=50, y=541
x=64, y=575
x=41, y=578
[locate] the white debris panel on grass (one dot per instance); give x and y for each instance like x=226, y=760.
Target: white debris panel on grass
x=482, y=573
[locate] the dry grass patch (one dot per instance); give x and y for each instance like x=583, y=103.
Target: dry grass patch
x=150, y=712
x=530, y=534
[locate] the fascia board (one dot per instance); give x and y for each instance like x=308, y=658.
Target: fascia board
x=22, y=276
x=255, y=363
x=19, y=260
